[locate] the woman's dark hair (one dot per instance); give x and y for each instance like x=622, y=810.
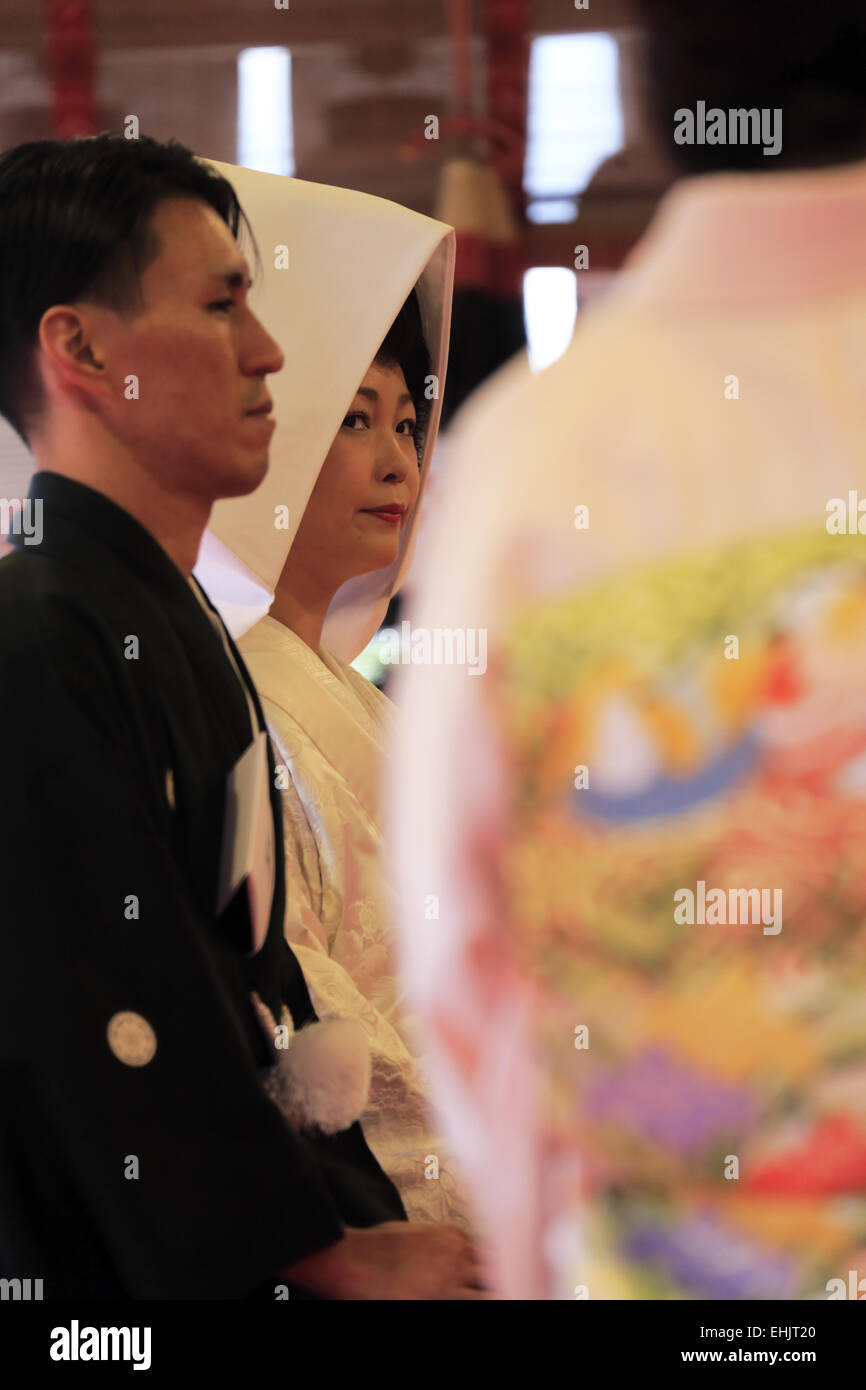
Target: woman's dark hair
x=404, y=347
x=804, y=58
x=75, y=223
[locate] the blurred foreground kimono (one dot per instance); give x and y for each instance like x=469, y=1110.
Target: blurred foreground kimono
x=653, y=1102
x=329, y=724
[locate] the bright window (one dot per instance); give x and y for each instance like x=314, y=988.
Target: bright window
x=550, y=311
x=265, y=136
x=575, y=115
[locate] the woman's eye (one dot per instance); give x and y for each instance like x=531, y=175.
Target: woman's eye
x=222, y=304
x=356, y=415
x=413, y=425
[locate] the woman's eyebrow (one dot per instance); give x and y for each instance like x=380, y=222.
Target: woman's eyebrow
x=372, y=395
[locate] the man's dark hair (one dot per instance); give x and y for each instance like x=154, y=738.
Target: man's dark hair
x=75, y=224
x=404, y=347
x=808, y=59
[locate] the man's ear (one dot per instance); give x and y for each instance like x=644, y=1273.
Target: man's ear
x=71, y=350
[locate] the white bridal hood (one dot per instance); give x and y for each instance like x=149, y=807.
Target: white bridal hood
x=336, y=269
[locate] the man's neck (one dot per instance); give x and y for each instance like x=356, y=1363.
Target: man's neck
x=175, y=520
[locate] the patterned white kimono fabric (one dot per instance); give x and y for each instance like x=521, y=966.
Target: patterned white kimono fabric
x=329, y=728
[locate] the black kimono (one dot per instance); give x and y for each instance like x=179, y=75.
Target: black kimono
x=127, y=1171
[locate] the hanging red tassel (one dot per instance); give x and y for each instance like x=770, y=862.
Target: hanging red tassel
x=70, y=53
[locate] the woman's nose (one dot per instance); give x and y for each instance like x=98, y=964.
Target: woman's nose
x=392, y=457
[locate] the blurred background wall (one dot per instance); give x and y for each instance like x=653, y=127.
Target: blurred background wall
x=339, y=92
x=518, y=121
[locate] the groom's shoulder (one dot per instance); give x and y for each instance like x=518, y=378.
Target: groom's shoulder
x=39, y=588
x=51, y=623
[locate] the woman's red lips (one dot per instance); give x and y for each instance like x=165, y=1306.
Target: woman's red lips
x=392, y=512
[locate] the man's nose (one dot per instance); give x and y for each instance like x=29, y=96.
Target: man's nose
x=263, y=354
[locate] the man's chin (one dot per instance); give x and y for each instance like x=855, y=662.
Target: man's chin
x=239, y=482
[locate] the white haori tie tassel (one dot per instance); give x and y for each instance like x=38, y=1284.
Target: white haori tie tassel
x=321, y=1074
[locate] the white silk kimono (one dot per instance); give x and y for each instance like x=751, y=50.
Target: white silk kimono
x=329, y=725
x=353, y=261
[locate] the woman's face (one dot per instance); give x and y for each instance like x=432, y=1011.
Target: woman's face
x=367, y=487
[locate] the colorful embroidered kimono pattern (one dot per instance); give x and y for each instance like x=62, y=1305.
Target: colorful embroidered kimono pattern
x=686, y=872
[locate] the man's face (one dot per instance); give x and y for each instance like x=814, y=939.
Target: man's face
x=200, y=357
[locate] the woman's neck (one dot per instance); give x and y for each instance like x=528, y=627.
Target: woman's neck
x=301, y=605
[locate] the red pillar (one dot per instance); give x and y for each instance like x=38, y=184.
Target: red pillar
x=70, y=52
